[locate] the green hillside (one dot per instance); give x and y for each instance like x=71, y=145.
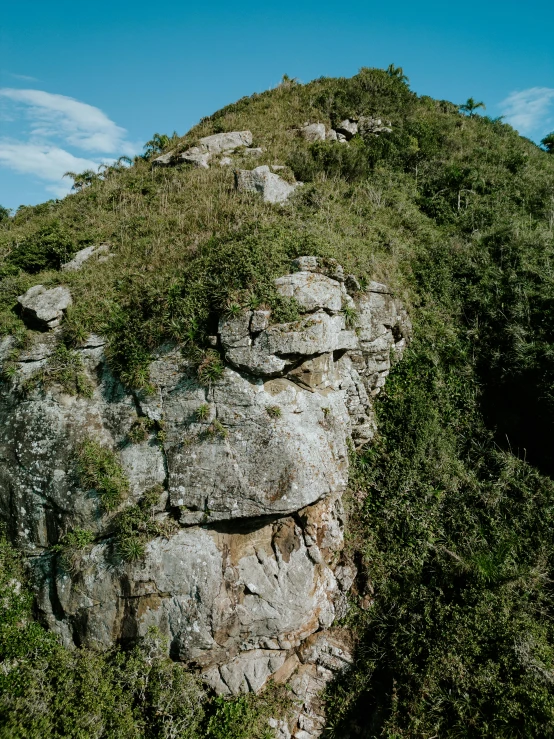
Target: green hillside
x=451, y=508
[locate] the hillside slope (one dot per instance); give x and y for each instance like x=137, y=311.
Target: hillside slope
x=451, y=504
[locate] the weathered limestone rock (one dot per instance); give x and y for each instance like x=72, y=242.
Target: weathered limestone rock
x=253, y=152
x=164, y=160
x=43, y=309
x=82, y=256
x=253, y=467
x=226, y=142
x=322, y=657
x=368, y=126
x=197, y=155
x=208, y=146
x=272, y=188
x=311, y=291
x=313, y=132
x=348, y=128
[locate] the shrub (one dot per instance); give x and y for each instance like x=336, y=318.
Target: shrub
x=47, y=248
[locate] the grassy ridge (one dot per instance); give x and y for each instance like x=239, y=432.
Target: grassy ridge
x=452, y=506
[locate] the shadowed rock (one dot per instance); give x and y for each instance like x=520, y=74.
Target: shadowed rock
x=44, y=309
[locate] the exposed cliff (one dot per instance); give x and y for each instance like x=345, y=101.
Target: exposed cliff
x=250, y=465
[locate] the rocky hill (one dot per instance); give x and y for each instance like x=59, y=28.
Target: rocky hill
x=274, y=421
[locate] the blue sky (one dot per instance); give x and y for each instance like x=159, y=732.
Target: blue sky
x=82, y=83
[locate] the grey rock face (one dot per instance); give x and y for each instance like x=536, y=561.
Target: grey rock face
x=347, y=128
x=198, y=156
x=253, y=563
x=311, y=291
x=313, y=132
x=270, y=186
x=226, y=142
x=209, y=146
x=368, y=126
x=253, y=152
x=164, y=160
x=82, y=256
x=43, y=309
x=322, y=657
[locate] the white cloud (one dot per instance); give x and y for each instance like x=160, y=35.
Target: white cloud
x=83, y=126
x=529, y=111
x=59, y=127
x=47, y=162
x=24, y=77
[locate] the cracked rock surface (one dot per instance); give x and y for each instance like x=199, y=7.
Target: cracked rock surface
x=43, y=309
x=253, y=484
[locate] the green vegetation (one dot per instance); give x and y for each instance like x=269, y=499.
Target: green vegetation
x=273, y=411
x=137, y=524
x=548, y=142
x=140, y=430
x=72, y=545
x=452, y=506
x=202, y=412
x=99, y=469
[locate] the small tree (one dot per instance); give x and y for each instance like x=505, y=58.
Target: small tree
x=397, y=73
x=470, y=106
x=4, y=213
x=82, y=179
x=548, y=142
x=159, y=143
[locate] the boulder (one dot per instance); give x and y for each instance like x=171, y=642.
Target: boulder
x=226, y=142
x=164, y=160
x=197, y=156
x=209, y=146
x=311, y=291
x=348, y=128
x=271, y=187
x=82, y=256
x=43, y=309
x=255, y=152
x=368, y=126
x=313, y=132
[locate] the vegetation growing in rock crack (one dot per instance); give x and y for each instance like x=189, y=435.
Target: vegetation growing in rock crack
x=137, y=524
x=99, y=468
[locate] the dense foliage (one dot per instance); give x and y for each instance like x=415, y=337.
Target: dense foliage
x=452, y=506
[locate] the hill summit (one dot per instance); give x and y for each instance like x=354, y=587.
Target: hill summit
x=276, y=410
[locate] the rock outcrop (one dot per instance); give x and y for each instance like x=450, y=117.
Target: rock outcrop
x=312, y=132
x=208, y=147
x=251, y=467
x=101, y=251
x=43, y=309
x=262, y=180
